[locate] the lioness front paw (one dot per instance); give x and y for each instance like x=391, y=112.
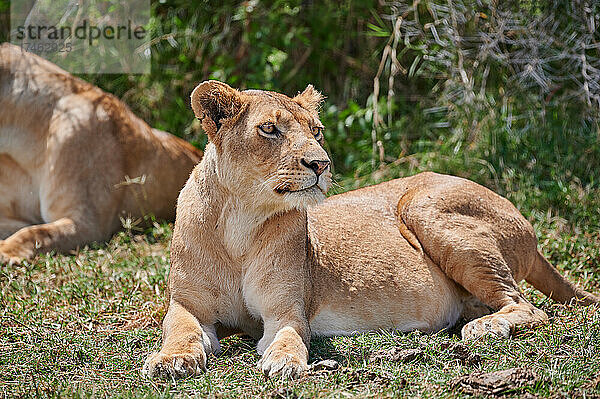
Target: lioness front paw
x=486, y=326
x=281, y=363
x=287, y=355
x=177, y=365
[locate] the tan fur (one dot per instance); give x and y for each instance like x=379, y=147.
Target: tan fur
x=73, y=159
x=412, y=253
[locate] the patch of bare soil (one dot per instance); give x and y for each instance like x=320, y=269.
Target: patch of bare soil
x=324, y=365
x=462, y=353
x=495, y=382
x=397, y=355
x=366, y=376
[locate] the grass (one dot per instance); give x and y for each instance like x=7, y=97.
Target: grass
x=82, y=325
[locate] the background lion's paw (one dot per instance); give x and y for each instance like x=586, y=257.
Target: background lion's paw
x=178, y=365
x=280, y=363
x=11, y=257
x=486, y=326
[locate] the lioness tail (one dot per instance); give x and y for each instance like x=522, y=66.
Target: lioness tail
x=546, y=278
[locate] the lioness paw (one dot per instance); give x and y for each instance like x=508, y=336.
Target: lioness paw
x=178, y=365
x=280, y=363
x=286, y=356
x=8, y=256
x=487, y=326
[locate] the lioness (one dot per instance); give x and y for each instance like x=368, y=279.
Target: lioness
x=71, y=158
x=254, y=251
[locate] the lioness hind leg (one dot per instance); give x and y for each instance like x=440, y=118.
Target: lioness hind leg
x=486, y=275
x=473, y=308
x=186, y=345
x=503, y=322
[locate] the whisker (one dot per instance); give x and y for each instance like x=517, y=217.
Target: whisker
x=265, y=184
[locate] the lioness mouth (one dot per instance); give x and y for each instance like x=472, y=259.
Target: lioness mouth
x=283, y=190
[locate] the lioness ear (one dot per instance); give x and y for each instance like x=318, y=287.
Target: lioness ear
x=213, y=102
x=310, y=98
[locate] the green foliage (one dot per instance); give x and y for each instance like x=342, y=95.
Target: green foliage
x=274, y=45
x=483, y=91
x=492, y=92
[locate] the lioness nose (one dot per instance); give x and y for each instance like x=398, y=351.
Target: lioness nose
x=318, y=166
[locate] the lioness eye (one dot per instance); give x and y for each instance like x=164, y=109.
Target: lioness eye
x=268, y=129
x=317, y=132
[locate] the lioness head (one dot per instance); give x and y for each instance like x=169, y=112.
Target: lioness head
x=267, y=145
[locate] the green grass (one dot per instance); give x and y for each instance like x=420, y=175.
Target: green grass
x=82, y=325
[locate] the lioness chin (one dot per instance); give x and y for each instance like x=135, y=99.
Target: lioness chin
x=255, y=248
